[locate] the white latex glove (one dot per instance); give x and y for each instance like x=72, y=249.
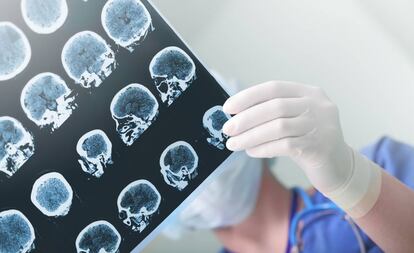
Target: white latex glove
x=289, y=119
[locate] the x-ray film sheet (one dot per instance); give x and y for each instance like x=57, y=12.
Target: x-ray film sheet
x=108, y=123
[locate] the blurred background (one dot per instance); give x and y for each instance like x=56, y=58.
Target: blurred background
x=360, y=52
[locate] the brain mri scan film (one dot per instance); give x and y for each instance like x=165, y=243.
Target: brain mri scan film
x=95, y=151
x=213, y=121
x=137, y=202
x=98, y=237
x=173, y=71
x=15, y=51
x=52, y=195
x=179, y=163
x=16, y=145
x=134, y=109
x=47, y=101
x=17, y=233
x=127, y=22
x=88, y=59
x=44, y=16
x=108, y=124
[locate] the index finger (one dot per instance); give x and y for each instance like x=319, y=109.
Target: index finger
x=263, y=92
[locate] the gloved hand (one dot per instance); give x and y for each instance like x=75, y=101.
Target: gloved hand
x=289, y=119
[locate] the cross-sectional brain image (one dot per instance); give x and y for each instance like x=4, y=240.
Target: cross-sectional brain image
x=47, y=101
x=98, y=237
x=16, y=232
x=179, y=163
x=137, y=202
x=52, y=195
x=173, y=71
x=15, y=51
x=88, y=59
x=127, y=22
x=16, y=145
x=134, y=109
x=213, y=121
x=95, y=151
x=44, y=16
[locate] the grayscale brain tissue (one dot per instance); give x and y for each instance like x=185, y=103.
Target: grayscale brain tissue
x=16, y=145
x=47, y=101
x=88, y=59
x=127, y=22
x=15, y=51
x=213, y=121
x=52, y=195
x=173, y=71
x=134, y=108
x=95, y=151
x=137, y=202
x=17, y=233
x=179, y=162
x=44, y=16
x=98, y=237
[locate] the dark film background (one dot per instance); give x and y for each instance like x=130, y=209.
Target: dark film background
x=95, y=199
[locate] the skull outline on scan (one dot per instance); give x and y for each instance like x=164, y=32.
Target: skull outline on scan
x=99, y=236
x=88, y=59
x=15, y=51
x=52, y=195
x=179, y=164
x=44, y=16
x=127, y=22
x=173, y=71
x=16, y=145
x=213, y=121
x=95, y=151
x=17, y=232
x=137, y=202
x=47, y=101
x=134, y=109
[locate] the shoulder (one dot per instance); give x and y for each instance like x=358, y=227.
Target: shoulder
x=395, y=157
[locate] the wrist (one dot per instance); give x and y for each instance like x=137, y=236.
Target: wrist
x=359, y=193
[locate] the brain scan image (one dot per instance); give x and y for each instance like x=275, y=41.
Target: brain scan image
x=179, y=163
x=15, y=51
x=95, y=151
x=52, y=195
x=16, y=233
x=16, y=145
x=127, y=22
x=137, y=203
x=213, y=121
x=44, y=16
x=98, y=237
x=173, y=71
x=134, y=109
x=47, y=101
x=88, y=59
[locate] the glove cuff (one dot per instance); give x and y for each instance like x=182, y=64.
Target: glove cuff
x=358, y=195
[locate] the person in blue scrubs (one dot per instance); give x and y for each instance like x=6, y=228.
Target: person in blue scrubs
x=331, y=233
x=360, y=201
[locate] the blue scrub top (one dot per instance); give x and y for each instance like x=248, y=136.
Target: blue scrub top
x=332, y=234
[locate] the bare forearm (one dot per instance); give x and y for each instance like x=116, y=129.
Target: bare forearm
x=390, y=223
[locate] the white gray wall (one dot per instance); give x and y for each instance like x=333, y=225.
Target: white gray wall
x=360, y=52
